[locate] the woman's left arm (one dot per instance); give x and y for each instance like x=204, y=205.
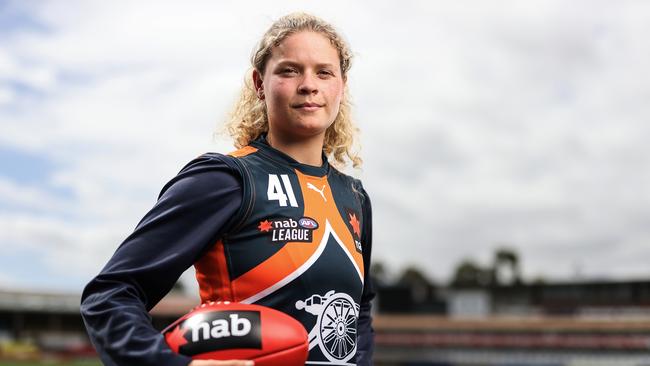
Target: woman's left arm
x=365, y=332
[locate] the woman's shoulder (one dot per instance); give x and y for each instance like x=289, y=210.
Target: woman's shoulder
x=355, y=183
x=334, y=170
x=203, y=174
x=210, y=161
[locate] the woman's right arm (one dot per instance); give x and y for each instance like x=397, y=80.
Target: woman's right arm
x=192, y=212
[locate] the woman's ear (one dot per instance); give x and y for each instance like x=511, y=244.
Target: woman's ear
x=257, y=83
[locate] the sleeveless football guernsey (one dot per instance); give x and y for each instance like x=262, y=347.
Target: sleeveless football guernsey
x=295, y=245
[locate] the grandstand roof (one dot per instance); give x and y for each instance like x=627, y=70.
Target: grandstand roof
x=30, y=301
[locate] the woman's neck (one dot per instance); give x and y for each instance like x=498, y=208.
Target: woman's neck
x=304, y=150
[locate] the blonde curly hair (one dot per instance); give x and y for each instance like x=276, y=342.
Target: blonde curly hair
x=248, y=119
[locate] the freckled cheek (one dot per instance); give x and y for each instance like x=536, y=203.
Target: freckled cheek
x=335, y=94
x=281, y=92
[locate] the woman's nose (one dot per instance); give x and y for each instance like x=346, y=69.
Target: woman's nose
x=308, y=84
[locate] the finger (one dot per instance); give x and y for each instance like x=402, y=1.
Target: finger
x=233, y=363
x=222, y=363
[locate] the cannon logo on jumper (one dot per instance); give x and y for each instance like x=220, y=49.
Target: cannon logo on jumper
x=289, y=229
x=335, y=331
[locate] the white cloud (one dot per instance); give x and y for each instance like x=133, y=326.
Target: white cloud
x=532, y=136
x=14, y=194
x=68, y=248
x=511, y=122
x=6, y=96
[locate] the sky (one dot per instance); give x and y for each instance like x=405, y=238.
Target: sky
x=483, y=124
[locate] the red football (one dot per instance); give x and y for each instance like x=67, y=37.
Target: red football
x=226, y=331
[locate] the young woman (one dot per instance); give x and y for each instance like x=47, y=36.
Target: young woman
x=273, y=223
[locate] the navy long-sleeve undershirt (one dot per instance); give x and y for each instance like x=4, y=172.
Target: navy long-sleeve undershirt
x=192, y=212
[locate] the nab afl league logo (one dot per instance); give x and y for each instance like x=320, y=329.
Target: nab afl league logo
x=288, y=229
x=308, y=223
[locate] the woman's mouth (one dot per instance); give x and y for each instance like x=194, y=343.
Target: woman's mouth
x=309, y=107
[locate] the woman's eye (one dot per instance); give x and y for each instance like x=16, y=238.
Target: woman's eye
x=325, y=73
x=288, y=70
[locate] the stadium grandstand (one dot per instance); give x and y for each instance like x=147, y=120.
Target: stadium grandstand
x=568, y=324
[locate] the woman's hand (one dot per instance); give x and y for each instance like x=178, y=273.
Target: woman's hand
x=221, y=363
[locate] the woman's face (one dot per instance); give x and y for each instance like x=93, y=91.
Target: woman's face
x=302, y=86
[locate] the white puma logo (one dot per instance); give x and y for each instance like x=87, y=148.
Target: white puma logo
x=313, y=187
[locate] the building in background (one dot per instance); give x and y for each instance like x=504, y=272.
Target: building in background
x=33, y=324
x=417, y=323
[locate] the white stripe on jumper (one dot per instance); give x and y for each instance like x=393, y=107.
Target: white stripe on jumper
x=295, y=274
